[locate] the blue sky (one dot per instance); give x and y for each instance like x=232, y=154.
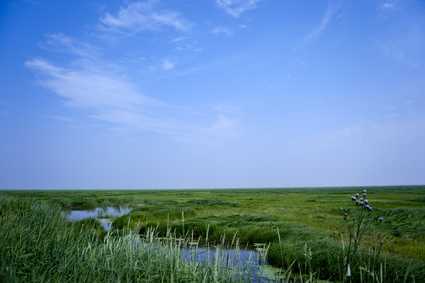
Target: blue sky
x=214, y=93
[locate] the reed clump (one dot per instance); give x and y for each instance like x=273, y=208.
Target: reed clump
x=39, y=245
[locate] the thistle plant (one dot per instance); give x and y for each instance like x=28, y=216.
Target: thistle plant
x=358, y=222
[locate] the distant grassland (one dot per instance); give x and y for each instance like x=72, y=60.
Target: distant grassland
x=310, y=215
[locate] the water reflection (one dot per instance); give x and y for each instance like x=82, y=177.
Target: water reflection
x=105, y=215
x=248, y=261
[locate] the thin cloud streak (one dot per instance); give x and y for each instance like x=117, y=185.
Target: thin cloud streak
x=143, y=16
x=220, y=30
x=332, y=9
x=61, y=43
x=236, y=8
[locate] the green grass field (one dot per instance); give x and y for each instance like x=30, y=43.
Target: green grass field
x=290, y=220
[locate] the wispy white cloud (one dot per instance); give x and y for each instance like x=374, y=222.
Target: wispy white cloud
x=59, y=42
x=185, y=43
x=179, y=39
x=91, y=89
x=101, y=90
x=143, y=16
x=220, y=30
x=167, y=65
x=405, y=44
x=402, y=53
x=235, y=8
x=388, y=5
x=332, y=10
x=108, y=97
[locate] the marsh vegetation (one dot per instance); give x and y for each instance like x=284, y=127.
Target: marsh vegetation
x=308, y=234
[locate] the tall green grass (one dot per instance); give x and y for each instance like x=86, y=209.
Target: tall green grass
x=38, y=245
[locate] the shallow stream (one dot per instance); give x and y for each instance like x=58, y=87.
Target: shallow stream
x=253, y=268
x=245, y=260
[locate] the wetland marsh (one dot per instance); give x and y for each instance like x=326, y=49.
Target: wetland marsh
x=302, y=230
